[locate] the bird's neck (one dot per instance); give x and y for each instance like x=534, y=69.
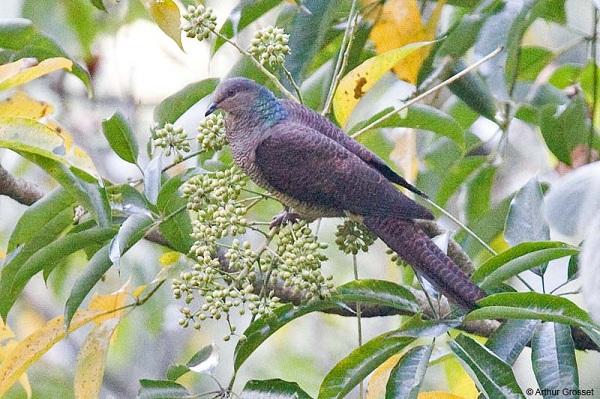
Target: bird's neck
x=267, y=109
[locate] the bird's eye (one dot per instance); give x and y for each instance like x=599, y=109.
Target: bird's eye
x=230, y=93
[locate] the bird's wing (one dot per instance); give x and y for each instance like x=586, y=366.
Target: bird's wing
x=310, y=167
x=326, y=127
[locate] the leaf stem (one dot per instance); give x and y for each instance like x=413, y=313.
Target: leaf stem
x=428, y=92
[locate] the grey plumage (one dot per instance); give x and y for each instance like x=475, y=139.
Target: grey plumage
x=312, y=166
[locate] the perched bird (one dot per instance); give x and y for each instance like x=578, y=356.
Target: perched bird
x=313, y=167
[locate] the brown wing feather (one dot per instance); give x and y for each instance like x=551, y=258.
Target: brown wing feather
x=312, y=168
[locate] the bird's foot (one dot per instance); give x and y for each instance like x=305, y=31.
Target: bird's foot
x=284, y=217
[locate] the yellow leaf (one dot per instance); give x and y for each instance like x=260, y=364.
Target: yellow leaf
x=398, y=23
x=28, y=135
x=22, y=105
x=169, y=258
x=91, y=359
x=25, y=73
x=438, y=395
x=167, y=16
x=2, y=254
x=38, y=343
x=357, y=82
x=110, y=303
x=380, y=377
x=459, y=380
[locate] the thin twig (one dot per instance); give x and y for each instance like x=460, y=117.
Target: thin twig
x=260, y=66
x=428, y=92
x=342, y=60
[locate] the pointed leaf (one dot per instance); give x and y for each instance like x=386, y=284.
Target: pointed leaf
x=364, y=291
x=38, y=215
x=424, y=117
x=205, y=360
x=120, y=136
x=161, y=389
x=406, y=378
x=355, y=84
x=168, y=191
x=131, y=231
x=508, y=341
x=39, y=342
x=553, y=359
x=153, y=179
x=171, y=108
x=493, y=377
x=166, y=15
x=43, y=236
x=525, y=221
x=273, y=389
x=350, y=371
x=91, y=360
x=519, y=258
x=33, y=72
x=531, y=305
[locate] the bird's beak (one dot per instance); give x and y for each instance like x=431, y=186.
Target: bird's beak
x=211, y=108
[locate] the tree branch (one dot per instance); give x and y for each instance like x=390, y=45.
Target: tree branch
x=18, y=189
x=27, y=193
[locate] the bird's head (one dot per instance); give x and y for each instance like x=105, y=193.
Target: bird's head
x=236, y=95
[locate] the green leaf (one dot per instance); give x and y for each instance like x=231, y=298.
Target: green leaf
x=407, y=376
x=350, y=371
x=525, y=220
x=473, y=91
x=241, y=16
x=565, y=75
x=120, y=136
x=479, y=192
x=93, y=272
x=553, y=359
x=456, y=176
x=28, y=136
x=518, y=259
x=131, y=231
x=566, y=127
x=38, y=215
x=44, y=235
x=380, y=292
x=493, y=377
x=177, y=229
x=263, y=328
x=308, y=34
x=364, y=291
x=99, y=4
x=273, y=389
x=531, y=62
x=361, y=362
x=462, y=36
x=161, y=389
x=153, y=179
x=51, y=255
x=508, y=341
x=20, y=36
x=531, y=305
x=171, y=108
x=90, y=195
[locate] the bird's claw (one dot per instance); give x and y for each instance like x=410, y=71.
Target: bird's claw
x=284, y=217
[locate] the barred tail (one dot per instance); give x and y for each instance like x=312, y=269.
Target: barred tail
x=417, y=249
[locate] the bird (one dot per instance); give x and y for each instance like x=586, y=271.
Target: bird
x=314, y=168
